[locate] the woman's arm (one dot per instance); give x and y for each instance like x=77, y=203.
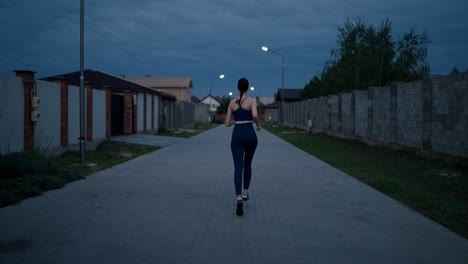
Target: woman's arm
x=255, y=115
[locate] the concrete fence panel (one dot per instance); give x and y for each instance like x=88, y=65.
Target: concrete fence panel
x=410, y=114
x=429, y=116
x=73, y=114
x=11, y=114
x=450, y=115
x=361, y=113
x=381, y=114
x=47, y=132
x=99, y=114
x=347, y=113
x=334, y=113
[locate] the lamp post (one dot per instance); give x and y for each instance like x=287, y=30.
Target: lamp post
x=211, y=88
x=266, y=49
x=82, y=106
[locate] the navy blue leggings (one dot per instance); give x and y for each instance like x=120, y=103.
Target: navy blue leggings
x=243, y=145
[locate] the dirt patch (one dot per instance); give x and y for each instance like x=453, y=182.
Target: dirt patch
x=126, y=154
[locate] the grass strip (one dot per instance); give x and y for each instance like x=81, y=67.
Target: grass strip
x=28, y=175
x=187, y=133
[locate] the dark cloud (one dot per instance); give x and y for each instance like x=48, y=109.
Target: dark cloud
x=202, y=39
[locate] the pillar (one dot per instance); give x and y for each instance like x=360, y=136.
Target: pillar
x=28, y=87
x=89, y=112
x=63, y=110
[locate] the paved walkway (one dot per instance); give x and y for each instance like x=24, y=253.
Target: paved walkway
x=176, y=205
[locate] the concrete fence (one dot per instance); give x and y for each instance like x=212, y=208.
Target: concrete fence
x=107, y=113
x=429, y=116
x=202, y=113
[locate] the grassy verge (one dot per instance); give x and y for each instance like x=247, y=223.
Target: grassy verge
x=187, y=133
x=434, y=188
x=106, y=155
x=28, y=175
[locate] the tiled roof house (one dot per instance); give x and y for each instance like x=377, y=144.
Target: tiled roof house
x=180, y=87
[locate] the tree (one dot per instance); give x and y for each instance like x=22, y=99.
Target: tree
x=411, y=62
x=367, y=56
x=454, y=71
x=313, y=89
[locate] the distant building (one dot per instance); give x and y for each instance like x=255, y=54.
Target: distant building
x=180, y=87
x=195, y=99
x=212, y=101
x=265, y=100
x=290, y=95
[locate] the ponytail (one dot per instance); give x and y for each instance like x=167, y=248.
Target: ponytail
x=242, y=85
x=240, y=97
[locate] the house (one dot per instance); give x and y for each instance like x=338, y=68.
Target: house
x=212, y=101
x=265, y=100
x=290, y=95
x=195, y=99
x=180, y=87
x=273, y=107
x=133, y=108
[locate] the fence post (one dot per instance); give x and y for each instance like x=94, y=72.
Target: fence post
x=134, y=118
x=28, y=87
x=353, y=113
x=108, y=111
x=144, y=112
x=63, y=110
x=340, y=114
x=393, y=112
x=89, y=111
x=370, y=112
x=152, y=112
x=427, y=114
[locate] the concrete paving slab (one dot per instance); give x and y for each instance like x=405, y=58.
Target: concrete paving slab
x=177, y=205
x=145, y=139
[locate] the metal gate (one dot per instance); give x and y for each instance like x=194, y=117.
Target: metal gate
x=117, y=106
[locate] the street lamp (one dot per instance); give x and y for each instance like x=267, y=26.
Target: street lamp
x=82, y=93
x=211, y=88
x=266, y=49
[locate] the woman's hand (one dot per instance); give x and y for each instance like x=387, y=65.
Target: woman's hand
x=258, y=128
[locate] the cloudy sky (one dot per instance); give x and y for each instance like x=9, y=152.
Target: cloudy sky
x=204, y=38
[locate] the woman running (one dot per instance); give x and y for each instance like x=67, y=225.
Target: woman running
x=244, y=139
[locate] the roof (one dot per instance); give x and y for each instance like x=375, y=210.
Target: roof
x=195, y=99
x=216, y=98
x=162, y=82
x=266, y=100
x=289, y=94
x=273, y=105
x=101, y=79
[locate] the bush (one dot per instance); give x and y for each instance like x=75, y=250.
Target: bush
x=24, y=175
x=19, y=164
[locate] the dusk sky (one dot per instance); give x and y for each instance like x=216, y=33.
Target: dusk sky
x=202, y=39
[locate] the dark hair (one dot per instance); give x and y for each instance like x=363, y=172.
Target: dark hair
x=242, y=86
